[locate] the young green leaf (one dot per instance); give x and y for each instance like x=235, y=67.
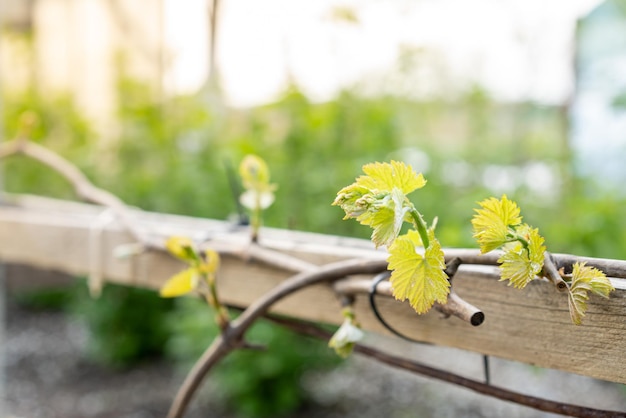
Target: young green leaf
x=180, y=284
x=182, y=248
x=354, y=200
x=378, y=199
x=386, y=217
x=259, y=193
x=492, y=222
x=346, y=336
x=254, y=199
x=211, y=261
x=385, y=176
x=520, y=264
x=254, y=172
x=416, y=277
x=585, y=279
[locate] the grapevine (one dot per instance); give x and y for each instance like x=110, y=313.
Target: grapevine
x=498, y=224
x=378, y=199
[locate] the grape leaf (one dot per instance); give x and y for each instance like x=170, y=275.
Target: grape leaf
x=585, y=279
x=516, y=266
x=521, y=264
x=255, y=177
x=387, y=176
x=418, y=278
x=378, y=199
x=386, y=217
x=346, y=336
x=491, y=223
x=354, y=200
x=254, y=199
x=180, y=284
x=210, y=262
x=181, y=247
x=254, y=172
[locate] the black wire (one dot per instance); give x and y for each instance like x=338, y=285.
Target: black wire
x=372, y=297
x=486, y=369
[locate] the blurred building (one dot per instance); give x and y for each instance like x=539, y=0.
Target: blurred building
x=598, y=112
x=517, y=51
x=80, y=47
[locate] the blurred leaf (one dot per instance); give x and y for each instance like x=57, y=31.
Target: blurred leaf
x=180, y=284
x=181, y=247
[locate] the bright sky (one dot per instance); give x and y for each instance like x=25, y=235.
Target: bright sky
x=517, y=49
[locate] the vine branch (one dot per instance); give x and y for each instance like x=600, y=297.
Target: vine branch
x=309, y=274
x=84, y=188
x=551, y=272
x=540, y=404
x=232, y=337
x=456, y=306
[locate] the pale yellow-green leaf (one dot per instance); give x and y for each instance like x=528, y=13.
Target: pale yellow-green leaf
x=383, y=177
x=516, y=266
x=577, y=302
x=418, y=278
x=253, y=171
x=181, y=247
x=491, y=222
x=386, y=217
x=585, y=279
x=210, y=264
x=520, y=265
x=354, y=200
x=382, y=223
x=211, y=261
x=180, y=284
x=254, y=199
x=600, y=284
x=535, y=245
x=346, y=336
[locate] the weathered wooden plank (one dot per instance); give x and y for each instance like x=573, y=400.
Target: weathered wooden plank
x=530, y=326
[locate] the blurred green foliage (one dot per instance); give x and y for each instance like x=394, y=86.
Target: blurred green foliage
x=126, y=324
x=55, y=123
x=172, y=155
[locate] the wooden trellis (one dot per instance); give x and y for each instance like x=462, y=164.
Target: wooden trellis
x=530, y=326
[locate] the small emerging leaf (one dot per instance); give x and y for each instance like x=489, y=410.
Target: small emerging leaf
x=418, y=278
x=585, y=279
x=343, y=340
x=255, y=176
x=180, y=284
x=181, y=247
x=211, y=261
x=519, y=264
x=253, y=199
x=253, y=171
x=387, y=176
x=378, y=199
x=386, y=217
x=516, y=266
x=354, y=200
x=491, y=223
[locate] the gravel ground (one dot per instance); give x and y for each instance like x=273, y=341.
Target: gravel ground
x=46, y=377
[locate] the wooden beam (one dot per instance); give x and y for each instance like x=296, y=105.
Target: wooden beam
x=530, y=325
